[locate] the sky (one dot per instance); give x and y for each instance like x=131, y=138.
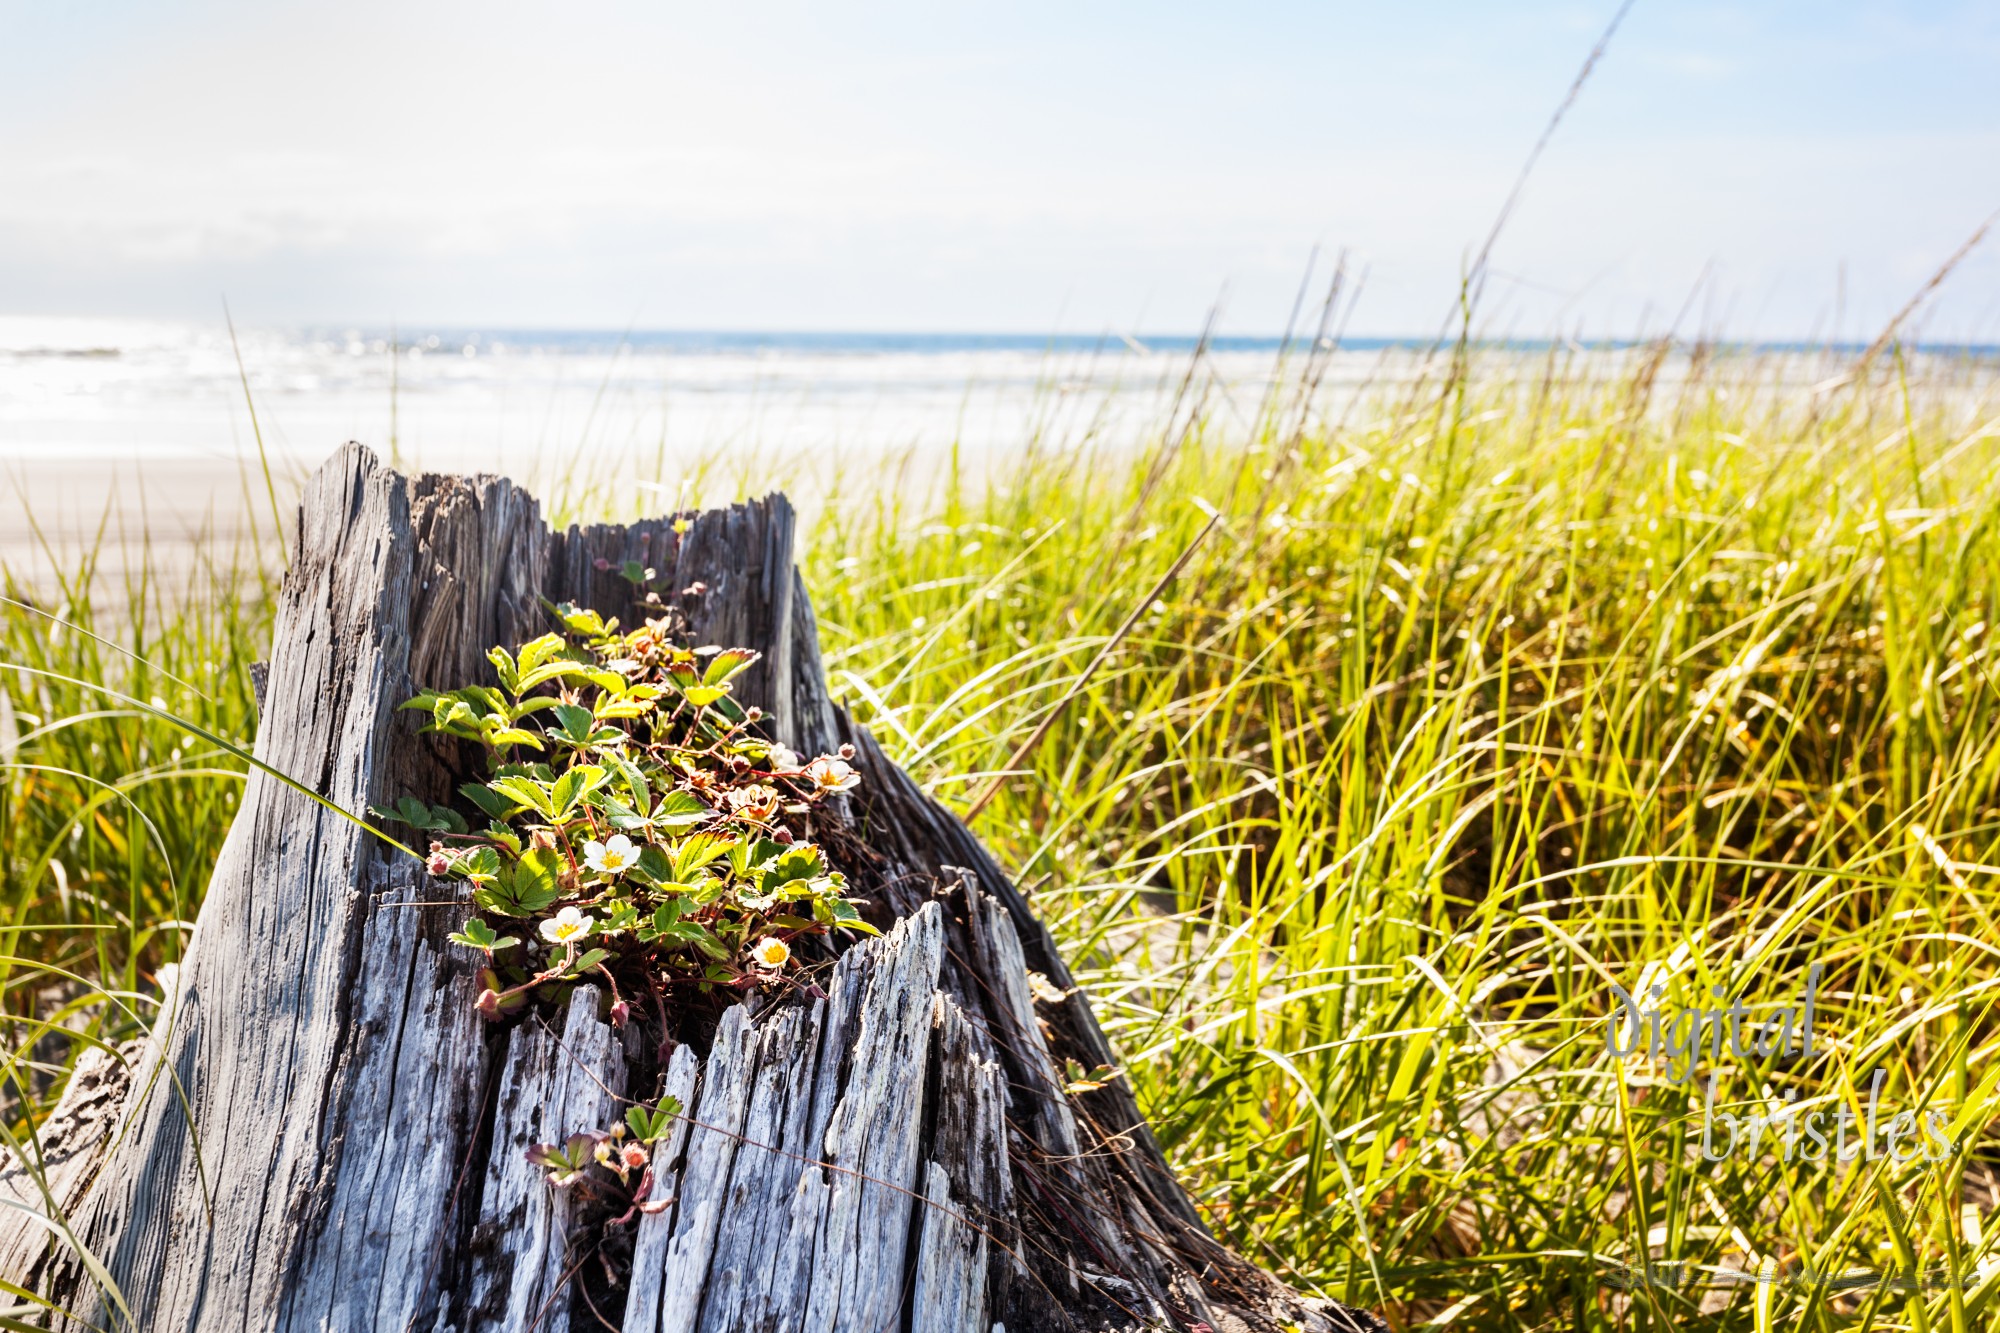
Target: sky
x=1777, y=170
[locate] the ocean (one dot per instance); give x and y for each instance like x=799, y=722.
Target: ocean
x=147, y=392
x=154, y=392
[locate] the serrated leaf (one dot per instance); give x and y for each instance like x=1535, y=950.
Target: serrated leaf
x=622, y=816
x=571, y=787
x=650, y=1126
x=692, y=853
x=497, y=900
x=492, y=803
x=537, y=651
x=727, y=665
x=678, y=810
x=627, y=772
x=449, y=712
x=476, y=935
x=407, y=810
x=701, y=696
x=485, y=699
x=481, y=865
x=557, y=670
x=530, y=706
x=573, y=722
x=583, y=620
x=533, y=882
x=653, y=865
x=527, y=792
x=800, y=861
x=504, y=667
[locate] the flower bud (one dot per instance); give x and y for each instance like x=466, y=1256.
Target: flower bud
x=847, y=752
x=487, y=1006
x=621, y=1012
x=782, y=836
x=543, y=840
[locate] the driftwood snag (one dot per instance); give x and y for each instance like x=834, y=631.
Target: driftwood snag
x=320, y=1133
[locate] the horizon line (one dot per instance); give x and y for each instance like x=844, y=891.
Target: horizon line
x=1110, y=340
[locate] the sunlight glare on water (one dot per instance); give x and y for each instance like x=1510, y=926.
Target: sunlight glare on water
x=72, y=389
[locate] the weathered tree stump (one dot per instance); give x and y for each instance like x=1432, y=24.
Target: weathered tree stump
x=320, y=1133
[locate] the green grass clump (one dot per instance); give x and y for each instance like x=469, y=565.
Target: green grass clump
x=1497, y=695
x=1487, y=693
x=112, y=810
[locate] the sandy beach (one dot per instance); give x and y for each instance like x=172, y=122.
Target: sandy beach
x=183, y=515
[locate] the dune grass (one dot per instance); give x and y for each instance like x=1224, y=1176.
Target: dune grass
x=1494, y=690
x=112, y=810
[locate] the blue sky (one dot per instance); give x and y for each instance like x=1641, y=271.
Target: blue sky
x=1027, y=167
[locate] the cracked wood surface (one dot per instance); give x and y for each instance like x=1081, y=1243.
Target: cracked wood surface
x=320, y=1134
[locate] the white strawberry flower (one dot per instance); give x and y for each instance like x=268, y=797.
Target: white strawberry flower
x=568, y=926
x=759, y=801
x=830, y=775
x=611, y=857
x=770, y=952
x=783, y=758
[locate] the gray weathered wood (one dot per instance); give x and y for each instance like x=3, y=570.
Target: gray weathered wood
x=727, y=1079
x=965, y=1184
x=656, y=1230
x=996, y=952
x=526, y=1242
x=320, y=1134
x=747, y=1280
